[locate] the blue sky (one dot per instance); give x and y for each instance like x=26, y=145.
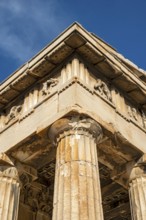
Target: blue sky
x=26, y=26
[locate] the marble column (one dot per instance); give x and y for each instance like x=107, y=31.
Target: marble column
x=9, y=189
x=77, y=193
x=137, y=193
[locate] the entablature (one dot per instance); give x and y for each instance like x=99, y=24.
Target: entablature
x=70, y=85
x=106, y=60
x=75, y=69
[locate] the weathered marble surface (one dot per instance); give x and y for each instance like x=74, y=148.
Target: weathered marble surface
x=9, y=189
x=77, y=187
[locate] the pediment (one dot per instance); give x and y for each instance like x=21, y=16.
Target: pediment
x=120, y=72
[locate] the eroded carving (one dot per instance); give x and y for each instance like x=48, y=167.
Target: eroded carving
x=48, y=85
x=132, y=113
x=103, y=89
x=144, y=119
x=15, y=110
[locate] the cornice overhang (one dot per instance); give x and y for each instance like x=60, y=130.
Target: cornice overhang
x=123, y=74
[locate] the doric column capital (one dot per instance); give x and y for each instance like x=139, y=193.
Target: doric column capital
x=137, y=189
x=138, y=169
x=9, y=188
x=75, y=124
x=15, y=170
x=10, y=172
x=7, y=168
x=137, y=172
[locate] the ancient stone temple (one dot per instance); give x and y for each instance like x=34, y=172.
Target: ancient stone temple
x=73, y=134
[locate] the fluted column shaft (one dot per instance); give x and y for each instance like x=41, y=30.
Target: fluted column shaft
x=9, y=193
x=138, y=198
x=77, y=187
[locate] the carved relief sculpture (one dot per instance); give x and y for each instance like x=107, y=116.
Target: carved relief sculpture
x=144, y=119
x=15, y=110
x=132, y=113
x=103, y=89
x=48, y=85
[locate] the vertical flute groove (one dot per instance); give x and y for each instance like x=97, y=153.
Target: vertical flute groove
x=137, y=191
x=55, y=200
x=9, y=198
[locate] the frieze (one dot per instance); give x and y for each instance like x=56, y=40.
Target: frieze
x=30, y=100
x=73, y=72
x=48, y=85
x=14, y=112
x=136, y=115
x=119, y=101
x=102, y=88
x=132, y=113
x=144, y=118
x=28, y=103
x=127, y=109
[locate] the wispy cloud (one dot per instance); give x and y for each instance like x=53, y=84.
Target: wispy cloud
x=24, y=23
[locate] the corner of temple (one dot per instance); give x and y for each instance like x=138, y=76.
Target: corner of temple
x=7, y=167
x=137, y=169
